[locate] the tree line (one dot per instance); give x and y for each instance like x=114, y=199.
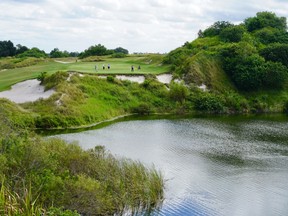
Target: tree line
x=7, y=48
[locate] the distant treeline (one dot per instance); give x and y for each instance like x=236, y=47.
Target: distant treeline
x=7, y=48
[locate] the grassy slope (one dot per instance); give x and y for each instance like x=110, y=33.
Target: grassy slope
x=204, y=68
x=37, y=174
x=86, y=100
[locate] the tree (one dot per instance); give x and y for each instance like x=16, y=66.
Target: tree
x=56, y=53
x=232, y=33
x=269, y=35
x=276, y=53
x=34, y=52
x=265, y=19
x=216, y=28
x=97, y=50
x=274, y=75
x=200, y=34
x=7, y=49
x=247, y=74
x=21, y=49
x=121, y=50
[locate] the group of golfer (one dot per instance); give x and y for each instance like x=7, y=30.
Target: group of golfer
x=108, y=67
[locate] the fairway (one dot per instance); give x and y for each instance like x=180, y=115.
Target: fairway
x=149, y=64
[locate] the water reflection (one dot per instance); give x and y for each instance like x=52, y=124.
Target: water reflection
x=219, y=166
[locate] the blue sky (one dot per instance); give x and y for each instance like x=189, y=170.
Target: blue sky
x=136, y=25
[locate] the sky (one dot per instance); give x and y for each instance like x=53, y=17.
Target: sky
x=152, y=26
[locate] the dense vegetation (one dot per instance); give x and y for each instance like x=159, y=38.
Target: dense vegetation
x=49, y=177
x=249, y=60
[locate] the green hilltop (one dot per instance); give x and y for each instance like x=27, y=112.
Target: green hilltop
x=246, y=62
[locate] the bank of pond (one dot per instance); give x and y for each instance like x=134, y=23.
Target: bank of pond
x=211, y=165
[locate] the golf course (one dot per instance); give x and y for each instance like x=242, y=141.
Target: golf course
x=150, y=64
x=230, y=71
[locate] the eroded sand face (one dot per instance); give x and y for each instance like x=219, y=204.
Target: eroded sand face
x=164, y=78
x=27, y=91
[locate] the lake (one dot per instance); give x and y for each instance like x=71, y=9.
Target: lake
x=212, y=165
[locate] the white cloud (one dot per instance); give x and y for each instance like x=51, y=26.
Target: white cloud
x=142, y=25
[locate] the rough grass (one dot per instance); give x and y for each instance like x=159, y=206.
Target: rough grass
x=89, y=99
x=37, y=174
x=204, y=68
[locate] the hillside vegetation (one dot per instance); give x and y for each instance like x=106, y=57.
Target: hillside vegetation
x=249, y=60
x=50, y=177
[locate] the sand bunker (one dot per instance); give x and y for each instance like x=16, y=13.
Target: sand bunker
x=138, y=79
x=164, y=78
x=27, y=91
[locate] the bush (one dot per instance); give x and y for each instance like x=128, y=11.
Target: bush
x=118, y=55
x=41, y=77
x=110, y=79
x=178, y=92
x=142, y=109
x=54, y=79
x=208, y=102
x=274, y=75
x=276, y=53
x=285, y=107
x=232, y=33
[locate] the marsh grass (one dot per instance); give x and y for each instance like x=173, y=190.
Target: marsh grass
x=92, y=182
x=11, y=203
x=47, y=176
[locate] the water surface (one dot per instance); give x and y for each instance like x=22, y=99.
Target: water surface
x=213, y=166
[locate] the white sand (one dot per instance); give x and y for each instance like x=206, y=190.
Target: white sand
x=62, y=62
x=203, y=87
x=138, y=79
x=27, y=91
x=164, y=78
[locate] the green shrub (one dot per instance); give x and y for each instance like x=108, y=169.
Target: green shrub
x=110, y=79
x=208, y=102
x=41, y=77
x=55, y=79
x=232, y=33
x=178, y=92
x=285, y=107
x=142, y=109
x=118, y=55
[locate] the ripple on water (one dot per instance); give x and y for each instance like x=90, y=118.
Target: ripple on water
x=212, y=167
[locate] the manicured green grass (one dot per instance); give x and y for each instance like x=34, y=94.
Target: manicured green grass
x=11, y=76
x=150, y=64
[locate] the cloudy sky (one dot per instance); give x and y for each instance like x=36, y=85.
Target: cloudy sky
x=136, y=25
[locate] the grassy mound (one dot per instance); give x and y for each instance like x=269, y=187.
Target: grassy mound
x=52, y=177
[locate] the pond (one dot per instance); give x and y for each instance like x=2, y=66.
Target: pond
x=212, y=165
